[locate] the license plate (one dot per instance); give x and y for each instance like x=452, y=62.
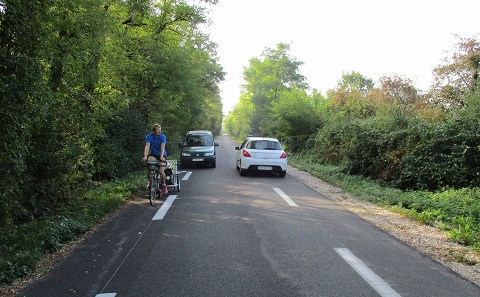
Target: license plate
x=264, y=168
x=197, y=160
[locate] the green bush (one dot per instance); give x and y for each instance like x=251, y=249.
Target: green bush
x=372, y=148
x=362, y=150
x=442, y=155
x=414, y=155
x=119, y=150
x=330, y=142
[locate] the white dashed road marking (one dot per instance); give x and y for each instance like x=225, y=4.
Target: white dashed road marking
x=285, y=197
x=367, y=274
x=187, y=176
x=164, y=208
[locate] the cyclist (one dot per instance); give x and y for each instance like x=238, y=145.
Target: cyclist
x=155, y=150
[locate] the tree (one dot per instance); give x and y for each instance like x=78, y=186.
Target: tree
x=459, y=75
x=21, y=79
x=267, y=78
x=238, y=122
x=355, y=82
x=350, y=96
x=400, y=95
x=295, y=118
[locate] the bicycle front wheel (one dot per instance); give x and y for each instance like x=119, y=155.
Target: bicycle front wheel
x=178, y=182
x=152, y=193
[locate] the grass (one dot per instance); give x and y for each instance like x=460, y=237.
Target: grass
x=454, y=210
x=23, y=246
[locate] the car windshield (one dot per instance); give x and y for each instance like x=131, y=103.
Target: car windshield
x=264, y=145
x=199, y=140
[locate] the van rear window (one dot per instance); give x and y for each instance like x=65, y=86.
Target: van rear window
x=199, y=140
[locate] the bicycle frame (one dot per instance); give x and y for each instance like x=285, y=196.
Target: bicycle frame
x=154, y=191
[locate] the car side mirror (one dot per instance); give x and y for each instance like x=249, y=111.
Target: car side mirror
x=217, y=144
x=237, y=148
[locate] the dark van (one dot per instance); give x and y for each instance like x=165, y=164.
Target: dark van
x=198, y=147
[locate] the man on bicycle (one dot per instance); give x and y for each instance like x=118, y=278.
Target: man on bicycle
x=155, y=150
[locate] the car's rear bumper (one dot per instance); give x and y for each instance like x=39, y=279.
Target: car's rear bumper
x=264, y=168
x=276, y=165
x=192, y=160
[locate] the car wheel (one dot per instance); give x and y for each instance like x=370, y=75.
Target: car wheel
x=282, y=173
x=214, y=164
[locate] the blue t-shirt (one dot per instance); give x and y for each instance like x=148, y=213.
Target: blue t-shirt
x=155, y=142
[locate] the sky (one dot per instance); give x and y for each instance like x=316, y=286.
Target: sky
x=376, y=38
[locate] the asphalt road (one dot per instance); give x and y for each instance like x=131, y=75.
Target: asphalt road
x=258, y=235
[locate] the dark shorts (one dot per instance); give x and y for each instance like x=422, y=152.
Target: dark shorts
x=158, y=159
x=155, y=156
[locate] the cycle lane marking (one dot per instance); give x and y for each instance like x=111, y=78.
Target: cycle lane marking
x=101, y=294
x=162, y=211
x=366, y=273
x=285, y=197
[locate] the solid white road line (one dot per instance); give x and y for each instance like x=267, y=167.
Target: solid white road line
x=187, y=176
x=106, y=295
x=367, y=274
x=164, y=208
x=285, y=197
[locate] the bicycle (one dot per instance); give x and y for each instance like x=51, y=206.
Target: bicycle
x=154, y=187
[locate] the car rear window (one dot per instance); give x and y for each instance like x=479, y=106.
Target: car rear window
x=264, y=145
x=199, y=140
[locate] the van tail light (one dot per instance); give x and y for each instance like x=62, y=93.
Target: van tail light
x=284, y=155
x=246, y=154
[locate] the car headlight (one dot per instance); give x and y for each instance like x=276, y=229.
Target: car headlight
x=186, y=155
x=208, y=154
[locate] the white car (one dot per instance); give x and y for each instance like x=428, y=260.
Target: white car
x=262, y=154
